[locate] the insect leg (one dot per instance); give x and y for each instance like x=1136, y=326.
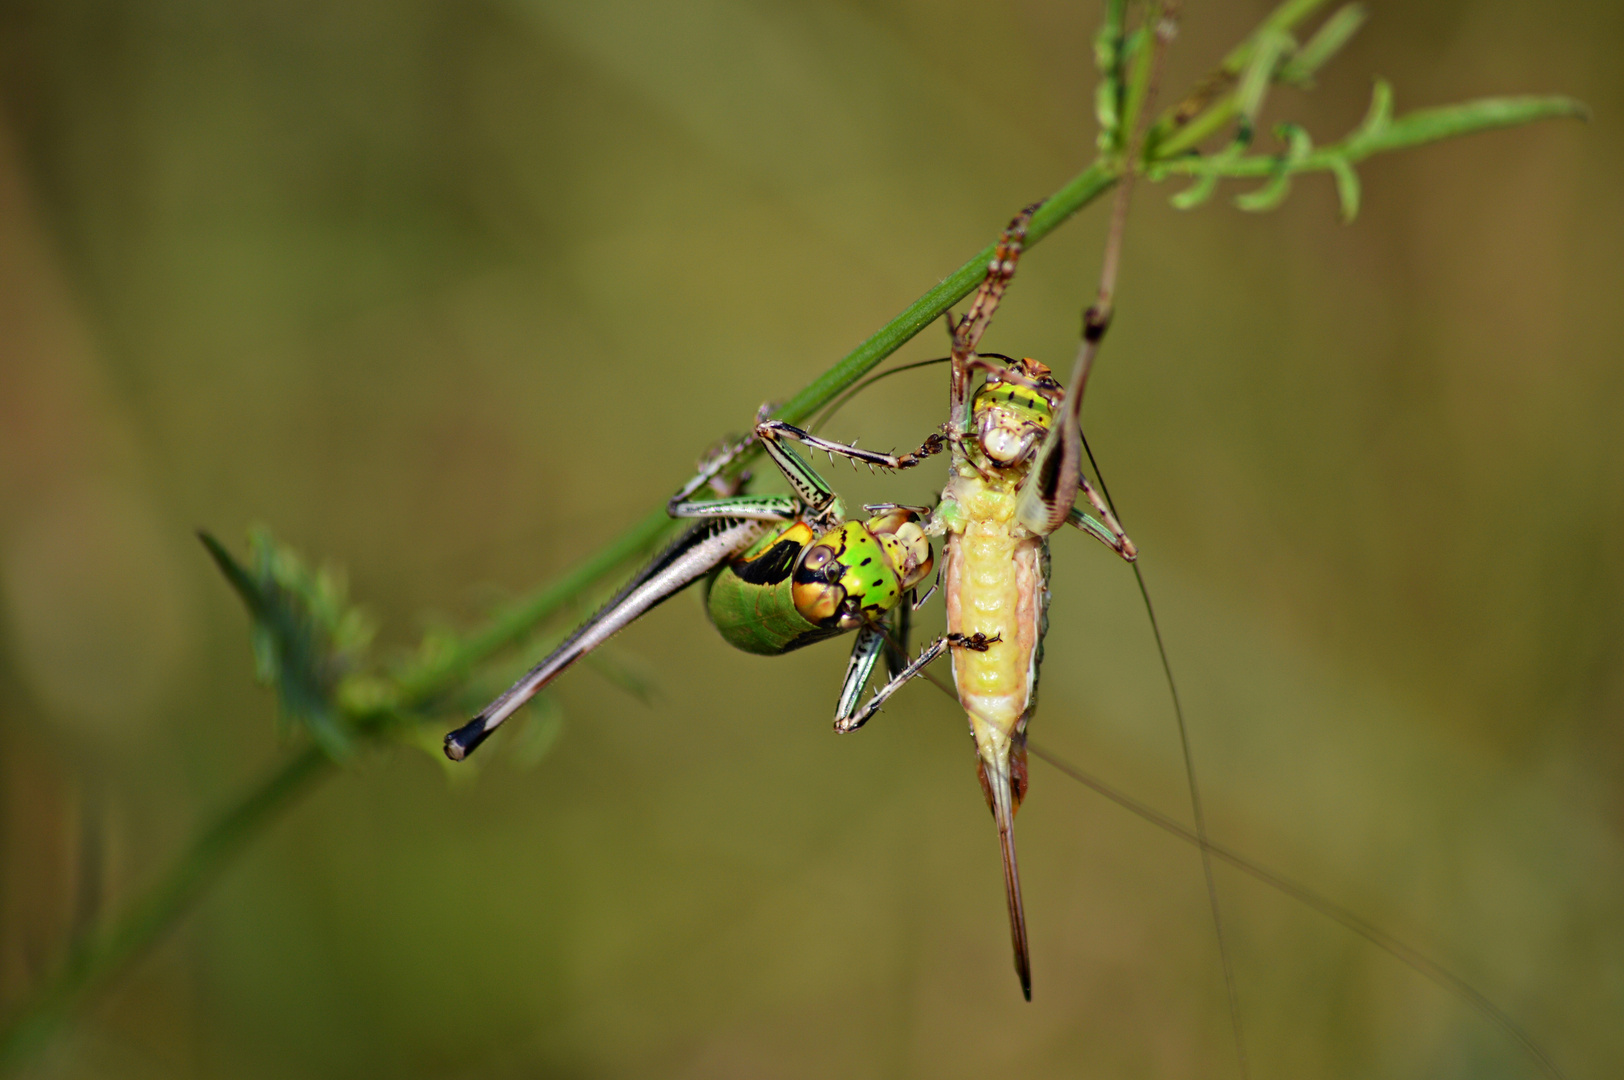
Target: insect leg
x=1105, y=528
x=977, y=642
x=753, y=507
x=968, y=330
x=693, y=555
x=771, y=430
x=865, y=653
x=815, y=494
x=710, y=467
x=896, y=642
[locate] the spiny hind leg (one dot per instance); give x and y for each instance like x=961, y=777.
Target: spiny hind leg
x=1105, y=529
x=967, y=334
x=745, y=507
x=772, y=430
x=974, y=642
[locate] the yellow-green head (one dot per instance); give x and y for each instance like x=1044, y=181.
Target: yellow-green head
x=1011, y=417
x=857, y=572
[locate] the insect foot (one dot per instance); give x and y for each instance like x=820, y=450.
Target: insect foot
x=977, y=642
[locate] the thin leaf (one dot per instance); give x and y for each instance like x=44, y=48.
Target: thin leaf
x=544, y=723
x=1378, y=115
x=1108, y=49
x=1327, y=41
x=1452, y=121
x=1271, y=194
x=1197, y=193
x=1347, y=188
x=305, y=637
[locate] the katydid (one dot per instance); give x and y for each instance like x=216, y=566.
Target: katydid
x=784, y=571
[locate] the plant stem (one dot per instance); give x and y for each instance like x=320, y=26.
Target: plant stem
x=1081, y=190
x=421, y=686
x=96, y=959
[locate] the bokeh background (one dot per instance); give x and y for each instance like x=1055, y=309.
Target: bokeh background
x=448, y=293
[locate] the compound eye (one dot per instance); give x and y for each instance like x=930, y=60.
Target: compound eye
x=818, y=564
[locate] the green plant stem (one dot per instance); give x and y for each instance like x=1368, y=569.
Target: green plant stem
x=96, y=959
x=1081, y=190
x=421, y=686
x=100, y=956
x=1197, y=116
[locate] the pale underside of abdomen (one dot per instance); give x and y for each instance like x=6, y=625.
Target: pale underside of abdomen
x=993, y=585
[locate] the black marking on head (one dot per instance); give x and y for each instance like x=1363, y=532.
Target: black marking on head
x=866, y=561
x=771, y=566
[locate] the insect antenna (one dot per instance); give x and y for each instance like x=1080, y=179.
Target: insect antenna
x=1404, y=953
x=1400, y=950
x=1407, y=954
x=829, y=412
x=1196, y=809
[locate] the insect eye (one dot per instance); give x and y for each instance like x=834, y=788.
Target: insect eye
x=818, y=557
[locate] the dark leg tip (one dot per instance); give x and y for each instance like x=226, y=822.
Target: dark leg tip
x=466, y=739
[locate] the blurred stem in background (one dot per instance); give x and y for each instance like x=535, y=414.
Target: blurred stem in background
x=309, y=643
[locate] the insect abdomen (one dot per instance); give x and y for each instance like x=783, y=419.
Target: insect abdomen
x=751, y=601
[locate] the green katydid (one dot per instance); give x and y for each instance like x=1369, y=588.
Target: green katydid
x=784, y=571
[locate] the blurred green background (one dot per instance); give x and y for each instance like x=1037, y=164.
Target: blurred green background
x=448, y=293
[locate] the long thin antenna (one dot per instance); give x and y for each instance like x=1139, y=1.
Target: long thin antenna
x=1162, y=21
x=1407, y=954
x=1196, y=809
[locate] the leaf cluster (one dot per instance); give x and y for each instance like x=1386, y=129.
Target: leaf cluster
x=1232, y=98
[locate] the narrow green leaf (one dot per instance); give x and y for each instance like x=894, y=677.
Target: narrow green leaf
x=1108, y=49
x=1255, y=80
x=305, y=638
x=1197, y=193
x=1209, y=108
x=1450, y=121
x=1280, y=20
x=1327, y=41
x=1271, y=194
x=1267, y=197
x=1347, y=188
x=543, y=724
x=235, y=573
